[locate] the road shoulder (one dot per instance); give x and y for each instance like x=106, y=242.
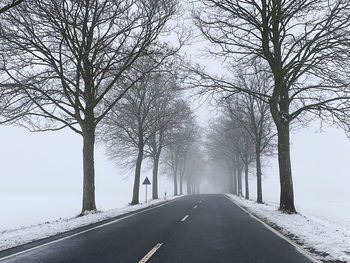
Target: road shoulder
x=81, y=225
x=276, y=227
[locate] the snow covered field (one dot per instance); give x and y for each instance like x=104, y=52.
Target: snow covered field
x=25, y=210
x=317, y=226
x=19, y=236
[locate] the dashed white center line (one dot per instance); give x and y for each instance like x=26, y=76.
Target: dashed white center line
x=183, y=219
x=195, y=207
x=150, y=253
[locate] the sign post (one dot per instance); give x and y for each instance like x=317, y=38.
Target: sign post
x=146, y=182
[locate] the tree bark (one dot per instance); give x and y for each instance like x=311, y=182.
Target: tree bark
x=155, y=177
x=285, y=169
x=258, y=173
x=88, y=169
x=246, y=179
x=136, y=189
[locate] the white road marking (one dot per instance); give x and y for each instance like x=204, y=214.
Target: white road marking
x=84, y=231
x=200, y=201
x=150, y=253
x=300, y=249
x=195, y=207
x=183, y=219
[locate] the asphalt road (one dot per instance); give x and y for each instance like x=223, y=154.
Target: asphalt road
x=197, y=228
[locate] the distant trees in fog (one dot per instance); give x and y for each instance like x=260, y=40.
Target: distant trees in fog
x=253, y=116
x=240, y=137
x=183, y=156
x=223, y=146
x=144, y=122
x=244, y=132
x=171, y=115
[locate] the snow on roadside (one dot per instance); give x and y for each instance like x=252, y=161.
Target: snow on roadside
x=327, y=241
x=23, y=235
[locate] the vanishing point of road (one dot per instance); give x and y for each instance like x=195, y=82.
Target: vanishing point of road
x=195, y=228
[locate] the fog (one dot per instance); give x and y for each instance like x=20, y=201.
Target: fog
x=41, y=173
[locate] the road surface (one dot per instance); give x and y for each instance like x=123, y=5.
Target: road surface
x=196, y=228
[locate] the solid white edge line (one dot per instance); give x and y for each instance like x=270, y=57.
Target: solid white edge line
x=185, y=217
x=87, y=230
x=295, y=245
x=150, y=253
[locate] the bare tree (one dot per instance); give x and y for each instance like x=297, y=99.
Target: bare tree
x=69, y=57
x=304, y=44
x=140, y=119
x=10, y=108
x=242, y=148
x=253, y=115
x=244, y=156
x=221, y=149
x=195, y=165
x=170, y=115
x=182, y=138
x=8, y=4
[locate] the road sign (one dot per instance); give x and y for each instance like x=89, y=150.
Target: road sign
x=146, y=182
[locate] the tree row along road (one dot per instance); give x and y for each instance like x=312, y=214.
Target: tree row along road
x=196, y=228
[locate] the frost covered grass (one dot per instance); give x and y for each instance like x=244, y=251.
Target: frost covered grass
x=19, y=236
x=327, y=240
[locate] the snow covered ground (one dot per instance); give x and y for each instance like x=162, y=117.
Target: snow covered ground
x=328, y=235
x=24, y=210
x=22, y=235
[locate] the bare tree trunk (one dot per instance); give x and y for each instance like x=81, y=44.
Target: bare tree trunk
x=189, y=188
x=239, y=179
x=181, y=184
x=258, y=174
x=155, y=177
x=235, y=180
x=88, y=169
x=286, y=182
x=231, y=182
x=246, y=179
x=136, y=189
x=175, y=184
